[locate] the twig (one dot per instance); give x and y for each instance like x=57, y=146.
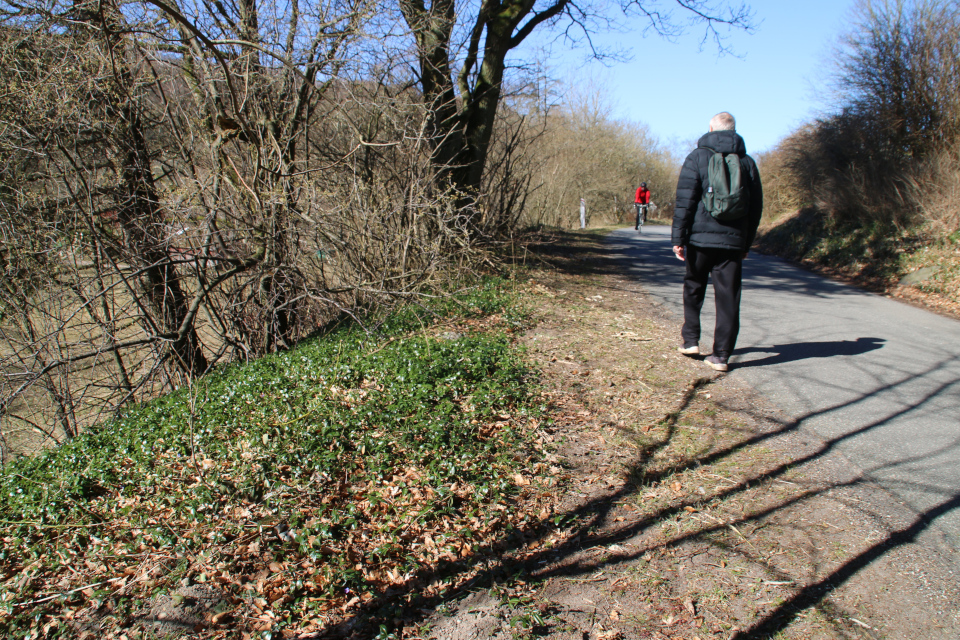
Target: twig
x=596, y=578
x=65, y=593
x=642, y=384
x=40, y=525
x=713, y=475
x=718, y=520
x=862, y=624
x=714, y=518
x=742, y=537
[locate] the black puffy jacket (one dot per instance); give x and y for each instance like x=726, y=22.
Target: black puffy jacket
x=691, y=222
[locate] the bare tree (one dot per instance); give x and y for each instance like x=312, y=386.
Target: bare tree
x=463, y=92
x=899, y=68
x=897, y=121
x=186, y=184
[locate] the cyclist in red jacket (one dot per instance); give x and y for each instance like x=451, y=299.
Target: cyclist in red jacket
x=641, y=201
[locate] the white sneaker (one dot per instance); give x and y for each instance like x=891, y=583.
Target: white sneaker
x=690, y=351
x=717, y=363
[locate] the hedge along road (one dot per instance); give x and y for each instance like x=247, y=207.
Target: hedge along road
x=877, y=380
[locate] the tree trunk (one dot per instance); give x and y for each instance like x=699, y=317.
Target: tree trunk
x=460, y=133
x=138, y=206
x=143, y=229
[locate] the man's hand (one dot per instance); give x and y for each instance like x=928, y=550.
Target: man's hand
x=745, y=255
x=680, y=252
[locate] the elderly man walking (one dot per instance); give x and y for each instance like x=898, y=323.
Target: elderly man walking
x=716, y=215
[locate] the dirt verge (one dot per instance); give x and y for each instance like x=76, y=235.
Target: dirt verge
x=912, y=268
x=687, y=507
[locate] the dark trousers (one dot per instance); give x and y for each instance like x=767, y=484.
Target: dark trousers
x=726, y=268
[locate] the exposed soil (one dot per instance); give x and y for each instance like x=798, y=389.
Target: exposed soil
x=925, y=300
x=687, y=507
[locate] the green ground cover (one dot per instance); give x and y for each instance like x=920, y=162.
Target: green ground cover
x=302, y=483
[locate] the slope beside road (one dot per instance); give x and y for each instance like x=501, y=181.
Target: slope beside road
x=878, y=380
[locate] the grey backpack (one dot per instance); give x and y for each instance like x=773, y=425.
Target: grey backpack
x=726, y=197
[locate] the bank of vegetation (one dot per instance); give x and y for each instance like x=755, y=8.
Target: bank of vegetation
x=871, y=191
x=299, y=487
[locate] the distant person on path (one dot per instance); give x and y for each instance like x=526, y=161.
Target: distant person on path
x=640, y=203
x=716, y=215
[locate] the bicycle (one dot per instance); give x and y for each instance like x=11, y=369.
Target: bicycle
x=641, y=215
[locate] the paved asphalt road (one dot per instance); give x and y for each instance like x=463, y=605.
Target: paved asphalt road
x=877, y=379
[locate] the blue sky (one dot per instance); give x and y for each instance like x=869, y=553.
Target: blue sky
x=773, y=85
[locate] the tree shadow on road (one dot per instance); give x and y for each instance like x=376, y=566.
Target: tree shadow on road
x=592, y=525
x=583, y=254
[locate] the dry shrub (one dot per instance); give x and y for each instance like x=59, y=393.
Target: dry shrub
x=781, y=194
x=584, y=153
x=899, y=70
x=841, y=167
x=939, y=193
x=880, y=158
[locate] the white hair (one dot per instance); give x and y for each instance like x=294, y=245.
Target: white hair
x=723, y=121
